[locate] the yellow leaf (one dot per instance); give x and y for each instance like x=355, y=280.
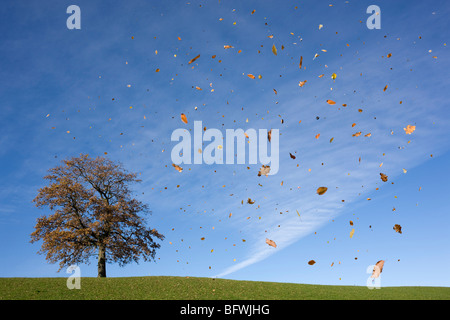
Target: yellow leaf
x=274, y=49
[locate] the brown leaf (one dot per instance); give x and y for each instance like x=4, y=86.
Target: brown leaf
x=269, y=135
x=321, y=190
x=193, y=59
x=271, y=243
x=301, y=62
x=274, y=49
x=383, y=177
x=292, y=156
x=398, y=228
x=311, y=262
x=250, y=201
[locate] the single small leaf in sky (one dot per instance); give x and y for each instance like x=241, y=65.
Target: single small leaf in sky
x=398, y=228
x=385, y=88
x=301, y=83
x=184, y=118
x=178, y=168
x=383, y=177
x=264, y=171
x=321, y=190
x=227, y=47
x=193, y=59
x=269, y=135
x=409, y=129
x=331, y=102
x=271, y=243
x=301, y=62
x=311, y=262
x=251, y=76
x=378, y=268
x=274, y=49
x=333, y=76
x=352, y=233
x=250, y=201
x=292, y=156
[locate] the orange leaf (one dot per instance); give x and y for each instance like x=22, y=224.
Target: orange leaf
x=183, y=118
x=271, y=243
x=321, y=190
x=331, y=102
x=409, y=129
x=378, y=268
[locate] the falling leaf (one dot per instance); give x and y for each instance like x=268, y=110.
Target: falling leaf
x=385, y=88
x=351, y=222
x=357, y=134
x=383, y=177
x=301, y=83
x=320, y=26
x=404, y=170
x=301, y=62
x=250, y=201
x=292, y=156
x=378, y=268
x=331, y=102
x=333, y=76
x=269, y=135
x=264, y=171
x=409, y=129
x=251, y=76
x=311, y=262
x=274, y=49
x=183, y=118
x=193, y=59
x=321, y=190
x=178, y=168
x=275, y=91
x=397, y=228
x=389, y=55
x=271, y=243
x=352, y=233
x=227, y=47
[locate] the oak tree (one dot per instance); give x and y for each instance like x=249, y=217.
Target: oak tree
x=94, y=213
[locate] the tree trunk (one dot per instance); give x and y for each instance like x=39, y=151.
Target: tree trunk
x=101, y=262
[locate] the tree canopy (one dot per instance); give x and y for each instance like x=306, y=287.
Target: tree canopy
x=94, y=213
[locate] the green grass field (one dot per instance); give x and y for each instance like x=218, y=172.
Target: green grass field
x=184, y=288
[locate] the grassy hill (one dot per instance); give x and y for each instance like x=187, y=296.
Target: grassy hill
x=184, y=288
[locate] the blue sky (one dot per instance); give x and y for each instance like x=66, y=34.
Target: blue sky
x=96, y=91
